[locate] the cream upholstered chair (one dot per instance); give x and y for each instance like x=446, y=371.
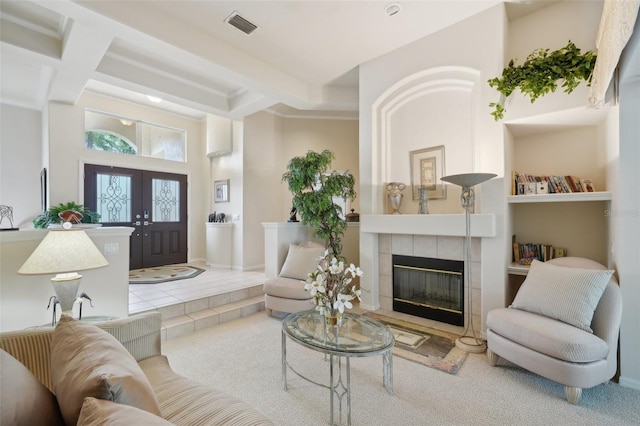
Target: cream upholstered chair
x=563, y=324
x=286, y=292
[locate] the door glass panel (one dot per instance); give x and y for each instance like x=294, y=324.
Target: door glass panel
x=114, y=198
x=165, y=198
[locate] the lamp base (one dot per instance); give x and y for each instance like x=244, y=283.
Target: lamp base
x=66, y=287
x=470, y=344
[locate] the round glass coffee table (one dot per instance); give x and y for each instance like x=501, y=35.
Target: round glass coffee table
x=355, y=336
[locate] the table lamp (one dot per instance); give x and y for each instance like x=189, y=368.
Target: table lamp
x=63, y=252
x=467, y=181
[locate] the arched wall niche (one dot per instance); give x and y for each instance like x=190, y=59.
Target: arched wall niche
x=430, y=108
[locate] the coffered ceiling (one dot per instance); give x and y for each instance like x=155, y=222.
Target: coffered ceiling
x=303, y=56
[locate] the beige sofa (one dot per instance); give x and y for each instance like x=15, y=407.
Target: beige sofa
x=179, y=400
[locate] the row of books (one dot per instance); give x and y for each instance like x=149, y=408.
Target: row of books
x=526, y=252
x=524, y=183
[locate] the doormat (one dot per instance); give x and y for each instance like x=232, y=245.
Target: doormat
x=424, y=345
x=162, y=274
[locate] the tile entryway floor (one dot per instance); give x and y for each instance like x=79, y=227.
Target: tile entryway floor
x=212, y=282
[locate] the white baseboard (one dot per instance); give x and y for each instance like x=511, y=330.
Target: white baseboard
x=248, y=268
x=629, y=383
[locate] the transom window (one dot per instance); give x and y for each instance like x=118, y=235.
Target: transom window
x=112, y=133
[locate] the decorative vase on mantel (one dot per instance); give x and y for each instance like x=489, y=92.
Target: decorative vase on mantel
x=395, y=195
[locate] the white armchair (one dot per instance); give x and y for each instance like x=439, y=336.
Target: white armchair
x=539, y=332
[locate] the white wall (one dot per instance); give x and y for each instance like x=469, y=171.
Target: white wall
x=262, y=169
x=626, y=239
x=20, y=163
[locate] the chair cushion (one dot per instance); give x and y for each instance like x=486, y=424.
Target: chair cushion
x=569, y=295
x=287, y=288
x=548, y=336
x=88, y=361
x=100, y=412
x=23, y=399
x=301, y=260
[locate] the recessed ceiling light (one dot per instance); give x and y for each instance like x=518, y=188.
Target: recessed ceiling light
x=154, y=99
x=392, y=9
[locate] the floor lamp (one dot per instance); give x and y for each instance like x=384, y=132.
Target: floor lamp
x=468, y=342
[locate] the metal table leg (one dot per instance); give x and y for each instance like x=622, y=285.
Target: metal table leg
x=387, y=370
x=338, y=389
x=284, y=361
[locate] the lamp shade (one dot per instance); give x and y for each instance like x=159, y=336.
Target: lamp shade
x=467, y=180
x=63, y=251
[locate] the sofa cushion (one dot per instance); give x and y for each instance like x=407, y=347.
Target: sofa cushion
x=287, y=288
x=88, y=361
x=185, y=402
x=543, y=334
x=569, y=295
x=100, y=412
x=301, y=260
x=23, y=399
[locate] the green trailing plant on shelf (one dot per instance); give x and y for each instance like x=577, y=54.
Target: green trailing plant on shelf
x=314, y=190
x=540, y=73
x=51, y=216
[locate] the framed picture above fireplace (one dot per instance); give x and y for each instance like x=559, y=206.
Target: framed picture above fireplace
x=427, y=167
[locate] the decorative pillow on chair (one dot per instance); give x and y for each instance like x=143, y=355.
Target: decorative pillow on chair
x=570, y=295
x=87, y=361
x=23, y=399
x=301, y=260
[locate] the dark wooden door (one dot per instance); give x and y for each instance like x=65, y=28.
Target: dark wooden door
x=153, y=203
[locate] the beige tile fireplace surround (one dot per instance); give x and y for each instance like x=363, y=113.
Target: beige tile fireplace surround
x=437, y=247
x=436, y=236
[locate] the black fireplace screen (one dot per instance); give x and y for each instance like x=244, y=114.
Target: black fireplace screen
x=429, y=288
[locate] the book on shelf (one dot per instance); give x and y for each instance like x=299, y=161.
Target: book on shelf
x=556, y=184
x=525, y=253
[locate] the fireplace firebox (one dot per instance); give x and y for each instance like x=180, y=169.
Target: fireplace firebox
x=429, y=288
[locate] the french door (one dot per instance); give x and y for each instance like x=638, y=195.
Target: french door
x=153, y=203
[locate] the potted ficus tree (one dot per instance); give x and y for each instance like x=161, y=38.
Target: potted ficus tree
x=314, y=189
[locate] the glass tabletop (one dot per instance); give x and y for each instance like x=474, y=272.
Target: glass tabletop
x=356, y=335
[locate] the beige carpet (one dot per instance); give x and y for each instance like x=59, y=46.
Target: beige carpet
x=424, y=345
x=243, y=358
x=162, y=274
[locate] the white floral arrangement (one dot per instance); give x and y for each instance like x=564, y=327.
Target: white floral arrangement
x=330, y=285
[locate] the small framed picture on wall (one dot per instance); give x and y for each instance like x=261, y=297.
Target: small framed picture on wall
x=221, y=191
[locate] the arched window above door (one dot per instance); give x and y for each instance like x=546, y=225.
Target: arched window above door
x=104, y=140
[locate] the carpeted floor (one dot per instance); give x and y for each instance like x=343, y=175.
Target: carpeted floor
x=162, y=274
x=427, y=346
x=243, y=358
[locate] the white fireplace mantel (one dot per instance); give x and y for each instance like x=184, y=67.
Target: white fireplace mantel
x=482, y=225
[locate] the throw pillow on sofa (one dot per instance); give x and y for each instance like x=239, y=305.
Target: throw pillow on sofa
x=86, y=361
x=570, y=295
x=23, y=399
x=100, y=412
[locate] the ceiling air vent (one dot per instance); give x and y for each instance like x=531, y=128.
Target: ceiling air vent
x=240, y=23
